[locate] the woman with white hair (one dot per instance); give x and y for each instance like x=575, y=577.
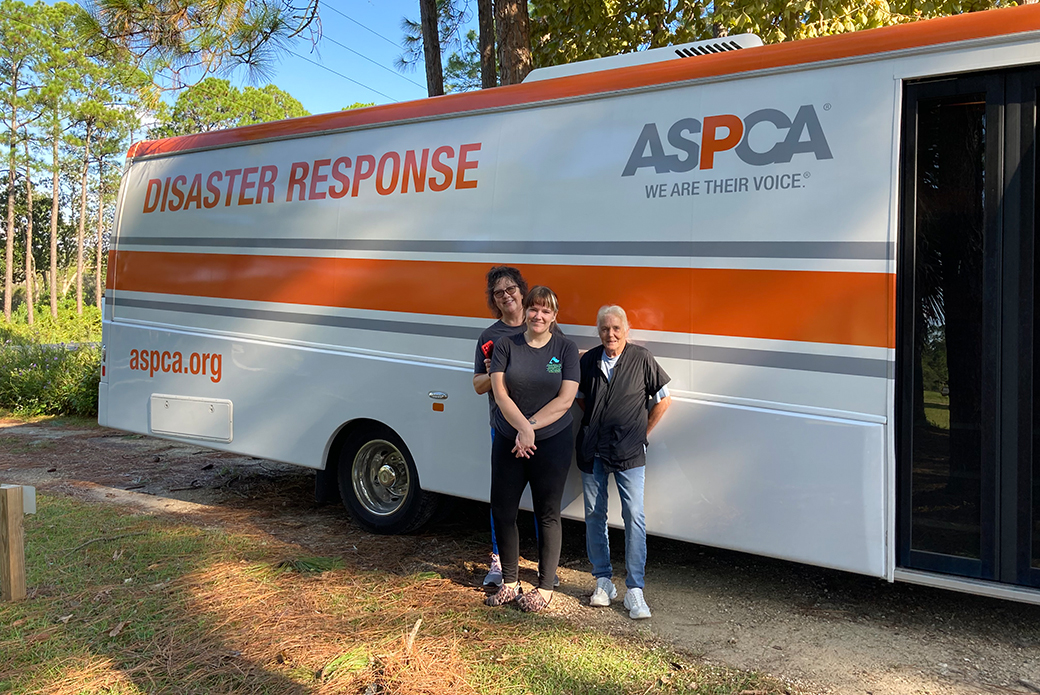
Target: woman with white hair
x=623, y=395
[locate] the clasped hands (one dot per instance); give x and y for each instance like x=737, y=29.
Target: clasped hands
x=524, y=446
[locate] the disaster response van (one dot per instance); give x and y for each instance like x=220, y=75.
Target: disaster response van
x=828, y=244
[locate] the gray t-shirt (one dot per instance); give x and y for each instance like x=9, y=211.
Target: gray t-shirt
x=534, y=377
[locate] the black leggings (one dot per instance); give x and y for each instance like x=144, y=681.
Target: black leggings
x=546, y=471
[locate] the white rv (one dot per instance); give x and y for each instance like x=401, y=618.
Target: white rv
x=828, y=244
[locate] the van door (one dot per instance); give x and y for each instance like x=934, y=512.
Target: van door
x=969, y=488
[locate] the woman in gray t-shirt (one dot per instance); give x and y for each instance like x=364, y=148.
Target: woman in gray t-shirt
x=534, y=377
x=506, y=288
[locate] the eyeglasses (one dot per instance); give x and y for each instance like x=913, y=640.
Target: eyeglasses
x=504, y=291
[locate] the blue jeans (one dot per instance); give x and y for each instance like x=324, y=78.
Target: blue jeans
x=597, y=542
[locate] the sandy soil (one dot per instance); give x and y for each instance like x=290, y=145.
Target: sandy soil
x=822, y=631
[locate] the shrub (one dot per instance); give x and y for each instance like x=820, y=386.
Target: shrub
x=69, y=327
x=40, y=379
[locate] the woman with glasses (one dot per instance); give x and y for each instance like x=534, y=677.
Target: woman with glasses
x=506, y=288
x=534, y=378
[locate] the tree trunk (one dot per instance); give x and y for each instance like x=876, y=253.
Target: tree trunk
x=68, y=283
x=514, y=40
x=99, y=291
x=54, y=230
x=486, y=41
x=82, y=222
x=9, y=250
x=29, y=297
x=431, y=47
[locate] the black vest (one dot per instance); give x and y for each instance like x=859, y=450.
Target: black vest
x=613, y=426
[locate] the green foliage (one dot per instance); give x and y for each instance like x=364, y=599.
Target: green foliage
x=197, y=37
x=53, y=366
x=571, y=30
x=268, y=104
x=41, y=218
x=358, y=105
x=208, y=105
x=462, y=69
x=566, y=31
x=215, y=104
x=68, y=327
x=451, y=16
x=49, y=379
x=934, y=370
x=77, y=112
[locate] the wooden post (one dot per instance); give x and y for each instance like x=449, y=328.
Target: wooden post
x=12, y=544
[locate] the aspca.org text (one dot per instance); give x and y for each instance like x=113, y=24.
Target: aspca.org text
x=173, y=362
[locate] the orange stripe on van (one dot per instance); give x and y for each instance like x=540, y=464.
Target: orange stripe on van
x=964, y=27
x=823, y=307
x=111, y=269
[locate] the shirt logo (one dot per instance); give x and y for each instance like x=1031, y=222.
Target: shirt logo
x=554, y=366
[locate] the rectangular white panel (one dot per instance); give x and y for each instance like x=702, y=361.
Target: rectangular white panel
x=28, y=497
x=185, y=416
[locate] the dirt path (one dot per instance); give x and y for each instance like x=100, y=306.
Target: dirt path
x=824, y=631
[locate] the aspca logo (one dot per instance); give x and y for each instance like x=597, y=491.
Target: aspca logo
x=800, y=135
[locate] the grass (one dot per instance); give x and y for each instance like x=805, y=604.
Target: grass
x=125, y=604
x=62, y=421
x=937, y=409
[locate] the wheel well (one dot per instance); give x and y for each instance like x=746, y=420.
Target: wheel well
x=416, y=505
x=326, y=484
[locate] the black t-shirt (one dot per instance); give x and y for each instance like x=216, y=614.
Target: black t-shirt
x=617, y=411
x=492, y=334
x=534, y=377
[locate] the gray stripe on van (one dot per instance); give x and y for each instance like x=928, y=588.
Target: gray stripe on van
x=801, y=361
x=837, y=250
x=831, y=364
x=431, y=329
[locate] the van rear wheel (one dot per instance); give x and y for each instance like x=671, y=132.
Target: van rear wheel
x=380, y=485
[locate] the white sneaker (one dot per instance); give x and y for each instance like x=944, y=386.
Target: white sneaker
x=494, y=575
x=603, y=593
x=636, y=604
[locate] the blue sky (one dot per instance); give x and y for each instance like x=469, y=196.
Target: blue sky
x=360, y=41
x=371, y=29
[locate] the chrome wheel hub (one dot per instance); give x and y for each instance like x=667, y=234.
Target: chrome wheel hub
x=386, y=476
x=380, y=477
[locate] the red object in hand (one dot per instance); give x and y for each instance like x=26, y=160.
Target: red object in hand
x=487, y=347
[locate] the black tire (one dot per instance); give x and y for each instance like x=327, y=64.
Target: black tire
x=379, y=484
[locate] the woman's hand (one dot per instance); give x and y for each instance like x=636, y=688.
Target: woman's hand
x=524, y=446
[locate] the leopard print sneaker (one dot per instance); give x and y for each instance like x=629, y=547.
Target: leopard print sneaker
x=505, y=594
